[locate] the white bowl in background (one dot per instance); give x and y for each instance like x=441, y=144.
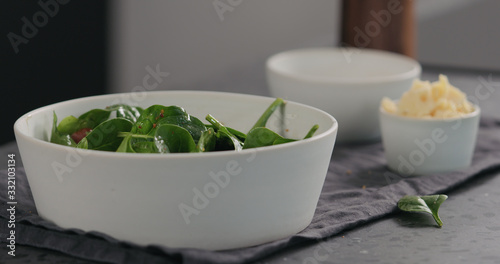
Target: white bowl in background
x=418, y=146
x=228, y=199
x=348, y=83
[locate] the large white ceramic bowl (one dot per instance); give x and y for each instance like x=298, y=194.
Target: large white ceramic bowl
x=417, y=146
x=217, y=200
x=348, y=83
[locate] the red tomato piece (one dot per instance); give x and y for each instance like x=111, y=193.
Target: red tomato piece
x=80, y=134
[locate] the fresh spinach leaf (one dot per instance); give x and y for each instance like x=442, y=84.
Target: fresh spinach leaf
x=105, y=135
x=207, y=142
x=192, y=124
x=173, y=139
x=152, y=115
x=429, y=204
x=240, y=135
x=148, y=123
x=69, y=125
x=312, y=131
x=223, y=133
x=262, y=136
x=126, y=144
x=90, y=119
x=131, y=113
x=144, y=146
x=93, y=118
x=161, y=129
x=137, y=143
x=58, y=137
x=262, y=121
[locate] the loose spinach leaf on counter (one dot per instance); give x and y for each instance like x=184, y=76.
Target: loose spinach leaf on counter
x=429, y=204
x=161, y=129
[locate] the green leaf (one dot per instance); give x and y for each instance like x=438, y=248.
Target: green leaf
x=136, y=143
x=69, y=125
x=207, y=141
x=152, y=115
x=90, y=119
x=223, y=133
x=126, y=145
x=93, y=118
x=225, y=142
x=105, y=135
x=131, y=113
x=144, y=146
x=147, y=130
x=240, y=135
x=262, y=136
x=173, y=139
x=58, y=137
x=262, y=121
x=192, y=124
x=429, y=204
x=312, y=131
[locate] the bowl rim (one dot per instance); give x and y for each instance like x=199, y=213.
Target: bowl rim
x=18, y=133
x=475, y=113
x=414, y=72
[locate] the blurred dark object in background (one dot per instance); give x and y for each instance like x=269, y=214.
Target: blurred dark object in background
x=381, y=24
x=51, y=50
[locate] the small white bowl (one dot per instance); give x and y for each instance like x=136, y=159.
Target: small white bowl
x=348, y=83
x=417, y=146
x=216, y=200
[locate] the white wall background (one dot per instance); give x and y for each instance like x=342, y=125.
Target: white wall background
x=459, y=33
x=200, y=51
